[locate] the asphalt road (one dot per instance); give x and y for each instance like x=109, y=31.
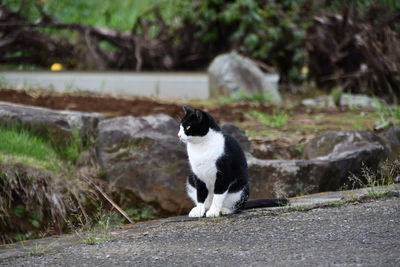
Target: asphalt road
x=363, y=234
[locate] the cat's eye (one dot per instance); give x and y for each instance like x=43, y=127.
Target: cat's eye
x=187, y=127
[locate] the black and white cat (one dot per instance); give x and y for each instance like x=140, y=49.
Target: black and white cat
x=218, y=183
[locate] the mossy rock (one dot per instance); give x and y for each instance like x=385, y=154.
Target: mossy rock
x=56, y=125
x=143, y=154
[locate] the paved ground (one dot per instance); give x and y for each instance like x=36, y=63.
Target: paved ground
x=355, y=234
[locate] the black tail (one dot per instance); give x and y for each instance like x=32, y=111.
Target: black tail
x=265, y=203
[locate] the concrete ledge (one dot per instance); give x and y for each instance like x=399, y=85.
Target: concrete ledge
x=165, y=85
x=326, y=198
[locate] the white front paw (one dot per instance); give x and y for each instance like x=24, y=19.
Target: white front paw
x=213, y=212
x=197, y=211
x=226, y=211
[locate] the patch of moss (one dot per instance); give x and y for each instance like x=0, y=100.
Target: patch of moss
x=21, y=146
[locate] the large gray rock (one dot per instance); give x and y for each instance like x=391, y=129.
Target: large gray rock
x=232, y=72
x=58, y=125
x=391, y=139
x=331, y=141
x=325, y=144
x=277, y=178
x=275, y=149
x=143, y=154
x=239, y=135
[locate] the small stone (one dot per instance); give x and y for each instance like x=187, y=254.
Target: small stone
x=382, y=126
x=320, y=102
x=358, y=101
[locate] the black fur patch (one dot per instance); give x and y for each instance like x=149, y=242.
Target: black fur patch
x=197, y=122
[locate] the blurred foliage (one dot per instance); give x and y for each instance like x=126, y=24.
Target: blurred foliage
x=271, y=31
x=337, y=5
x=120, y=14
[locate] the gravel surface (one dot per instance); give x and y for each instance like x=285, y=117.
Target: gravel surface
x=363, y=234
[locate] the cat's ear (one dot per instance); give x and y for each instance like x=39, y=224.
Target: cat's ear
x=199, y=114
x=187, y=109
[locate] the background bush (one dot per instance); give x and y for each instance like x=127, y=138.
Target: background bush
x=183, y=34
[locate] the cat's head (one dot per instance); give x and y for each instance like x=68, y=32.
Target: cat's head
x=195, y=124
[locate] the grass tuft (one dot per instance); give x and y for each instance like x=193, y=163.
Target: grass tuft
x=243, y=96
x=337, y=203
x=36, y=249
x=384, y=176
x=72, y=149
x=20, y=145
x=386, y=114
x=275, y=120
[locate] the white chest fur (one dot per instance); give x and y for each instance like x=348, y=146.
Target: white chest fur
x=203, y=155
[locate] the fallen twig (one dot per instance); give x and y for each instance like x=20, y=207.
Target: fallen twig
x=118, y=208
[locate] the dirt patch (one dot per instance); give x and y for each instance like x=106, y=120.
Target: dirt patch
x=116, y=106
x=108, y=105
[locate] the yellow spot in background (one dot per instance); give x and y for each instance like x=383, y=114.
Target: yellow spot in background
x=56, y=67
x=304, y=70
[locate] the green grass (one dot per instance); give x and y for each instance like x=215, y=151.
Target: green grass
x=370, y=179
x=96, y=236
x=337, y=203
x=297, y=208
x=377, y=193
x=256, y=97
x=385, y=175
x=336, y=95
x=275, y=120
x=35, y=250
x=73, y=148
x=38, y=248
x=99, y=229
x=243, y=96
x=92, y=238
x=386, y=114
x=20, y=145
